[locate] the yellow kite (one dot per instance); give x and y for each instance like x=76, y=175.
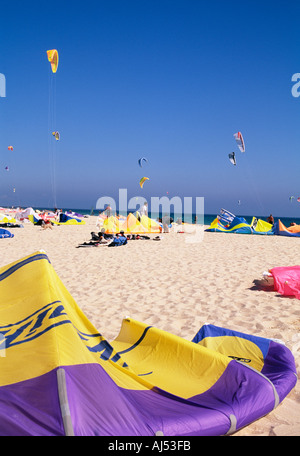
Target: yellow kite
x=143, y=180
x=53, y=59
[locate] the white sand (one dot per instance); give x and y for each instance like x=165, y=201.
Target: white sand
x=177, y=286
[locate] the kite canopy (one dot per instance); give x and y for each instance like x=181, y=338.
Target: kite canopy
x=143, y=180
x=130, y=225
x=56, y=135
x=53, y=59
x=281, y=230
x=226, y=222
x=10, y=148
x=240, y=141
x=60, y=376
x=141, y=161
x=65, y=219
x=287, y=280
x=4, y=219
x=150, y=225
x=232, y=158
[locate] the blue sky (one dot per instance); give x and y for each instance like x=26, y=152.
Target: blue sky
x=170, y=80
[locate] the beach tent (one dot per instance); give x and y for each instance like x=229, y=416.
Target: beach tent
x=60, y=376
x=5, y=234
x=291, y=231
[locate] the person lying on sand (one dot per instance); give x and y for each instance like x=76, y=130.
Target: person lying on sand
x=267, y=281
x=46, y=224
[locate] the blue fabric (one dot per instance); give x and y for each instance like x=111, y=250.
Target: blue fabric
x=216, y=331
x=63, y=218
x=120, y=240
x=5, y=233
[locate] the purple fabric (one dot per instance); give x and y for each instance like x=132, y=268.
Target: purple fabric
x=31, y=408
x=99, y=407
x=280, y=368
x=240, y=391
x=102, y=408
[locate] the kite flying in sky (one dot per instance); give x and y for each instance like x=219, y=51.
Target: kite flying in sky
x=240, y=141
x=232, y=158
x=143, y=180
x=53, y=59
x=141, y=161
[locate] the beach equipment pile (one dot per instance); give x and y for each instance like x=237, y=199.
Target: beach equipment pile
x=61, y=376
x=36, y=216
x=226, y=222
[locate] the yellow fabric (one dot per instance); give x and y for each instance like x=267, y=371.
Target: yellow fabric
x=132, y=225
x=7, y=219
x=151, y=225
x=72, y=222
x=111, y=225
x=262, y=226
x=237, y=348
x=214, y=223
x=174, y=364
x=143, y=180
x=44, y=327
x=53, y=59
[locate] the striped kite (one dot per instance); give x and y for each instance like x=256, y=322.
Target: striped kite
x=240, y=141
x=143, y=180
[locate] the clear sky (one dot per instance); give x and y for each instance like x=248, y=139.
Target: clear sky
x=170, y=80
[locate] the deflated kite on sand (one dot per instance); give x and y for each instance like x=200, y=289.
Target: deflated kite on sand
x=283, y=279
x=60, y=376
x=130, y=225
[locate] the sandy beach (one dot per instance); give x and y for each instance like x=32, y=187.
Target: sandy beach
x=177, y=286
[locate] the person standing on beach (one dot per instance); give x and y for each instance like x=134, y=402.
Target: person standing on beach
x=270, y=219
x=166, y=221
x=144, y=210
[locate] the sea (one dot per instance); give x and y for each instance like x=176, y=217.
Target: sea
x=187, y=218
